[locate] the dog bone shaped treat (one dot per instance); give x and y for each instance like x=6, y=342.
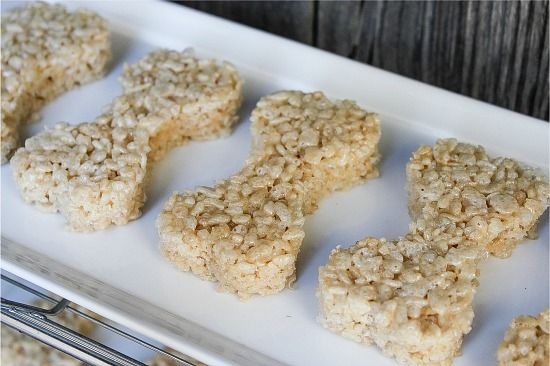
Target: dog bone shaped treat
x=46, y=51
x=413, y=296
x=94, y=173
x=246, y=231
x=527, y=341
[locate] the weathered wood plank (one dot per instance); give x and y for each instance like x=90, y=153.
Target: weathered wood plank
x=533, y=73
x=542, y=99
x=492, y=50
x=338, y=26
x=496, y=51
x=291, y=19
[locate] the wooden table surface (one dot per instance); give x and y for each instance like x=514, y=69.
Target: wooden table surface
x=496, y=51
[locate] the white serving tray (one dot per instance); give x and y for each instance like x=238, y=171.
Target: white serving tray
x=120, y=274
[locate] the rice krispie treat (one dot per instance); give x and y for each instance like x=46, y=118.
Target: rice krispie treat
x=19, y=349
x=527, y=342
x=246, y=231
x=94, y=173
x=46, y=51
x=413, y=296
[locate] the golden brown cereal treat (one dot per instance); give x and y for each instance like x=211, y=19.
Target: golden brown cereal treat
x=527, y=342
x=21, y=350
x=162, y=360
x=246, y=231
x=46, y=51
x=94, y=173
x=413, y=296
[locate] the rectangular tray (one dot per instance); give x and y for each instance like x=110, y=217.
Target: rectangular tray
x=120, y=274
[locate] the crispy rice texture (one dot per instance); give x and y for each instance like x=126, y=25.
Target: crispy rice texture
x=21, y=350
x=527, y=342
x=246, y=231
x=413, y=296
x=94, y=173
x=46, y=51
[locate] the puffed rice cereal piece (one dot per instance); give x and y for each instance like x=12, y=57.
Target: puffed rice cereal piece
x=246, y=231
x=413, y=296
x=94, y=173
x=46, y=51
x=19, y=349
x=527, y=342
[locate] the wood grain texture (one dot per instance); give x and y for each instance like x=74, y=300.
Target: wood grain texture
x=496, y=51
x=290, y=19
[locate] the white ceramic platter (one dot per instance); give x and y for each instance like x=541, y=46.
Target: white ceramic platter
x=120, y=274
